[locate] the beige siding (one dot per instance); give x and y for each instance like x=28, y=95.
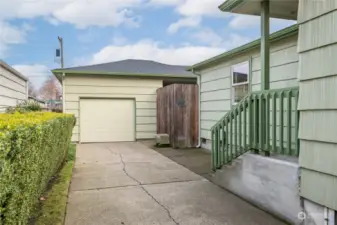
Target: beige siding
x=216, y=81
x=283, y=67
x=317, y=102
x=13, y=89
x=311, y=9
x=324, y=96
x=319, y=187
x=143, y=90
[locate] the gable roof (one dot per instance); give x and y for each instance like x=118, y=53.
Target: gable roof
x=131, y=67
x=276, y=36
x=12, y=70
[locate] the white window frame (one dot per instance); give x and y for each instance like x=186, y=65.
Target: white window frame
x=239, y=84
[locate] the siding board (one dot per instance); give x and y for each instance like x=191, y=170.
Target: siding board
x=324, y=96
x=12, y=89
x=215, y=85
x=319, y=187
x=326, y=25
x=325, y=152
x=318, y=63
x=10, y=76
x=319, y=125
x=311, y=9
x=140, y=98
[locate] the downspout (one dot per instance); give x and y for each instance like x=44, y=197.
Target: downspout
x=199, y=107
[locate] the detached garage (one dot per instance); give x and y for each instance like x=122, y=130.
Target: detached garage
x=116, y=102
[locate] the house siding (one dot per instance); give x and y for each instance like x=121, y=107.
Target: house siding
x=216, y=90
x=317, y=102
x=13, y=89
x=143, y=90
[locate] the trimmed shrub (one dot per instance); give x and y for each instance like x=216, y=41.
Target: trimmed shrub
x=33, y=146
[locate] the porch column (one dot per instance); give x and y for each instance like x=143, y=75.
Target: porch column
x=265, y=51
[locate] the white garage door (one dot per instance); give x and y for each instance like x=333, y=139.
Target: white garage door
x=107, y=120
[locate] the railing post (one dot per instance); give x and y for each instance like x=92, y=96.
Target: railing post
x=256, y=125
x=213, y=149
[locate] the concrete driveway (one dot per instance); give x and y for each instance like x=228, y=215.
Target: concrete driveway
x=130, y=184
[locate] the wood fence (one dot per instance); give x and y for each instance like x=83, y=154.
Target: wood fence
x=177, y=114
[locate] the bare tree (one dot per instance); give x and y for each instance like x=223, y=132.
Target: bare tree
x=32, y=91
x=51, y=89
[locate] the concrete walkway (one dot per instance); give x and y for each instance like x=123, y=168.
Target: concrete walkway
x=130, y=184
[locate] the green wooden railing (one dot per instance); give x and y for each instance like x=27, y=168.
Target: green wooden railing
x=264, y=122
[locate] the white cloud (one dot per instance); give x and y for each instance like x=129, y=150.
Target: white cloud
x=81, y=13
x=240, y=22
x=12, y=35
x=150, y=50
x=208, y=36
x=228, y=41
x=192, y=12
x=184, y=22
x=200, y=8
x=36, y=73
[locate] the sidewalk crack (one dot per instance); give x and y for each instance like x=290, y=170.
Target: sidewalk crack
x=148, y=193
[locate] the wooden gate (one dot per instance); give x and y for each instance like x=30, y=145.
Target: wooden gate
x=177, y=114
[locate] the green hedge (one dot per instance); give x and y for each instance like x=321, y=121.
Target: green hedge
x=33, y=146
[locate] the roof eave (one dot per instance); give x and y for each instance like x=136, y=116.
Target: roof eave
x=287, y=32
x=57, y=72
x=230, y=5
x=14, y=71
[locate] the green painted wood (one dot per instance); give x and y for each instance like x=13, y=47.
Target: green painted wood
x=289, y=112
x=281, y=122
x=251, y=122
x=267, y=121
x=223, y=148
x=213, y=149
x=256, y=122
x=227, y=141
x=274, y=112
x=245, y=127
x=265, y=48
x=319, y=187
x=240, y=133
x=235, y=133
x=297, y=121
x=231, y=137
x=219, y=146
x=230, y=133
x=260, y=124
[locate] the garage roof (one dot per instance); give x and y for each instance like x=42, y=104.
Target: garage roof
x=130, y=67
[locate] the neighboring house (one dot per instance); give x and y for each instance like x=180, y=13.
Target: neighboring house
x=116, y=101
x=39, y=101
x=13, y=86
x=295, y=126
x=53, y=104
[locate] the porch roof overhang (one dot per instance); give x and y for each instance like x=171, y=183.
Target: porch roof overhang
x=282, y=9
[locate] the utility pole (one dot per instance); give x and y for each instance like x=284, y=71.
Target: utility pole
x=61, y=51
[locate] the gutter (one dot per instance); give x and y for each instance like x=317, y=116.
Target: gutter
x=199, y=107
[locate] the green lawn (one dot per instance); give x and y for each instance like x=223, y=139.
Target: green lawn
x=53, y=208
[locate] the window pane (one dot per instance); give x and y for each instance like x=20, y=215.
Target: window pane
x=240, y=92
x=240, y=73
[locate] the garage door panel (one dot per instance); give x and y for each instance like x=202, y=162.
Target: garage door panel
x=107, y=120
